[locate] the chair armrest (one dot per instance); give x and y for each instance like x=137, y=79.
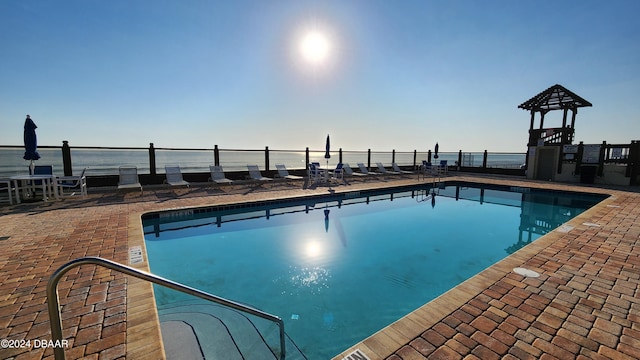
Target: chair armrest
x=68, y=178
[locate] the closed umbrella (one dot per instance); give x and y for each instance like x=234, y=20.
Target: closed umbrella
x=327, y=155
x=436, y=151
x=30, y=142
x=326, y=218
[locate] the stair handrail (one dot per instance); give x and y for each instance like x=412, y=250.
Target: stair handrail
x=53, y=300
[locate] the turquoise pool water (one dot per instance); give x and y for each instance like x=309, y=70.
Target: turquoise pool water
x=337, y=269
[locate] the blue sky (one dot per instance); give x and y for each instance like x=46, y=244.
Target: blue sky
x=399, y=74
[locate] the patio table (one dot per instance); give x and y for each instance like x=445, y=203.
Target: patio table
x=26, y=183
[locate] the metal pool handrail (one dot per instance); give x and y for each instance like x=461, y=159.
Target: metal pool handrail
x=54, y=303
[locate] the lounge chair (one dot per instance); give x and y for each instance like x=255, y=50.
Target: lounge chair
x=397, y=169
x=217, y=175
x=174, y=176
x=384, y=171
x=283, y=173
x=338, y=173
x=129, y=178
x=364, y=170
x=347, y=171
x=72, y=183
x=254, y=174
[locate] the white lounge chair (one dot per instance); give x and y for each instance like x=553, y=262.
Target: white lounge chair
x=397, y=169
x=72, y=183
x=283, y=173
x=255, y=174
x=129, y=178
x=217, y=175
x=174, y=176
x=338, y=173
x=384, y=171
x=348, y=171
x=364, y=170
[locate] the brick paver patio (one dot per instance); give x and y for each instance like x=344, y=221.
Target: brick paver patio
x=586, y=304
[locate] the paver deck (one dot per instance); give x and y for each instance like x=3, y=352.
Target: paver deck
x=585, y=304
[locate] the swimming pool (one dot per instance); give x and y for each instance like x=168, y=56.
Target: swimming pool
x=338, y=268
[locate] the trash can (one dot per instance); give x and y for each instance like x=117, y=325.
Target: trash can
x=588, y=173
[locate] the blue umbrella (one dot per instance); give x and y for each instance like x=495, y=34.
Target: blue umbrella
x=328, y=146
x=326, y=218
x=30, y=140
x=326, y=152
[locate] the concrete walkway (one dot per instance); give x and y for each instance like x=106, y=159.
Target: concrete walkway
x=585, y=304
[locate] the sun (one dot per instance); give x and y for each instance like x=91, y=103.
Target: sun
x=315, y=47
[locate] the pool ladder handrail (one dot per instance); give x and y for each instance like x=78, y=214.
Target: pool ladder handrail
x=54, y=303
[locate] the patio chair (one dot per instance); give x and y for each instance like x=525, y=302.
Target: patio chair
x=36, y=185
x=174, y=176
x=397, y=169
x=443, y=168
x=338, y=173
x=315, y=173
x=129, y=178
x=73, y=183
x=384, y=171
x=9, y=188
x=283, y=173
x=347, y=171
x=217, y=175
x=255, y=174
x=364, y=170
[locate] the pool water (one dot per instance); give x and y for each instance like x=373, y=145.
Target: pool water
x=337, y=269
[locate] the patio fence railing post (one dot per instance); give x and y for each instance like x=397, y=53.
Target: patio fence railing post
x=459, y=159
x=216, y=155
x=266, y=158
x=484, y=160
x=368, y=158
x=66, y=158
x=152, y=159
x=579, y=158
x=429, y=156
x=415, y=159
x=633, y=162
x=306, y=159
x=603, y=149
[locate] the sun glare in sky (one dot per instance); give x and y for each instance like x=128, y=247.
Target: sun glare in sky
x=315, y=47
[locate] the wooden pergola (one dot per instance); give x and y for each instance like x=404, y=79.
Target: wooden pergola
x=556, y=97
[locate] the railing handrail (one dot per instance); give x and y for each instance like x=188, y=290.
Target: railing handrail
x=54, y=303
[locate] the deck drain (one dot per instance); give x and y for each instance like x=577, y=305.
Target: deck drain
x=526, y=272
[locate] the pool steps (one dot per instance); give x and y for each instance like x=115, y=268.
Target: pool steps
x=208, y=331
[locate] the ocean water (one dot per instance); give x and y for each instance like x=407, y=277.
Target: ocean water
x=107, y=161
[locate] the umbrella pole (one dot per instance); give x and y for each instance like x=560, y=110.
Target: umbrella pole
x=328, y=175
